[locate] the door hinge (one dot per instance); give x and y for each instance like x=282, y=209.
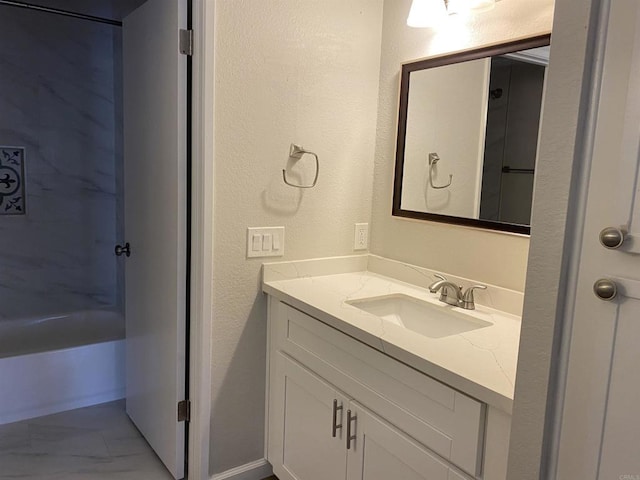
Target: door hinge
x=186, y=42
x=184, y=411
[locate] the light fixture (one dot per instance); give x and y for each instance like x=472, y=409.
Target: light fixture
x=430, y=13
x=426, y=13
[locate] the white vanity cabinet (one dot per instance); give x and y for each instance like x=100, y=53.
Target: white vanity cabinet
x=313, y=424
x=325, y=387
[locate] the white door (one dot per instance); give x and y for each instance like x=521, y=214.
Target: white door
x=600, y=433
x=155, y=136
x=379, y=451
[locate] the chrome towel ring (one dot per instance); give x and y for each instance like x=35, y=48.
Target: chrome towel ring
x=433, y=160
x=296, y=152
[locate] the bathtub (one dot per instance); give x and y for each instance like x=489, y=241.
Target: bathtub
x=60, y=362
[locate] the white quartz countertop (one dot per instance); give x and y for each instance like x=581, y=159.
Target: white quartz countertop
x=480, y=363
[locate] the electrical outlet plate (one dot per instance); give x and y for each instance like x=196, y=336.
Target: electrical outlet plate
x=361, y=236
x=265, y=242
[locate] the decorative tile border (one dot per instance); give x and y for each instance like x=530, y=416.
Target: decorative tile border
x=12, y=181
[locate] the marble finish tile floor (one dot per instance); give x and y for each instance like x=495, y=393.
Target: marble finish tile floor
x=98, y=442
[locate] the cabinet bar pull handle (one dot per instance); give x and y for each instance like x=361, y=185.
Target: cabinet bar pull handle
x=350, y=437
x=335, y=426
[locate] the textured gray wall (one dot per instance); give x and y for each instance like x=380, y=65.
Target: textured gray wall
x=286, y=71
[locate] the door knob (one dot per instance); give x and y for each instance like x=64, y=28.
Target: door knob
x=611, y=237
x=605, y=289
x=126, y=250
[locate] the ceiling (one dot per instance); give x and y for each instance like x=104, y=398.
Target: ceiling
x=112, y=9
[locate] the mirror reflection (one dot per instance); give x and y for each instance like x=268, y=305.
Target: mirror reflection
x=468, y=135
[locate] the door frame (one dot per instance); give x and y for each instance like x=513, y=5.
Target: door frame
x=564, y=161
x=202, y=189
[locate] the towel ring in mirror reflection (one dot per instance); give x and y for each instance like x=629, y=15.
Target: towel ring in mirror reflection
x=433, y=160
x=296, y=152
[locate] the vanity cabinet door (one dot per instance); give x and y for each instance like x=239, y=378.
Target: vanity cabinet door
x=306, y=448
x=380, y=451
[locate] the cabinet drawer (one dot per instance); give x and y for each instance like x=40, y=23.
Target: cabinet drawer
x=441, y=418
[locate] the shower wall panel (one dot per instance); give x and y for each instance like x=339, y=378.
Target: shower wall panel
x=58, y=96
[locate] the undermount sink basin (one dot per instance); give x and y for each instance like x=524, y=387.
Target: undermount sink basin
x=421, y=317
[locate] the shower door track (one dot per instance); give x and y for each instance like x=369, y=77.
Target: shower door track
x=57, y=11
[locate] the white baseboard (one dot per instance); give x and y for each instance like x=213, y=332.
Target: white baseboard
x=251, y=471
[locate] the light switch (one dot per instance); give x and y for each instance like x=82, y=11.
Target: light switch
x=265, y=242
x=256, y=242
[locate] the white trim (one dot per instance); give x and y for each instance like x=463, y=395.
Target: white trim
x=536, y=56
x=257, y=470
x=202, y=241
x=574, y=237
x=267, y=384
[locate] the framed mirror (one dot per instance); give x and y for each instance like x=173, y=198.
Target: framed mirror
x=468, y=133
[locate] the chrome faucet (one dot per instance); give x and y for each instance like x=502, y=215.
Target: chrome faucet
x=451, y=294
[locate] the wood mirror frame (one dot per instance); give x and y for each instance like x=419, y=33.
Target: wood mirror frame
x=407, y=68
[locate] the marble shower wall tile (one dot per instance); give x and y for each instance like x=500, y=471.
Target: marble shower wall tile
x=59, y=99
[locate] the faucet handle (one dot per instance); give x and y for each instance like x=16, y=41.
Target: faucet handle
x=468, y=302
x=441, y=277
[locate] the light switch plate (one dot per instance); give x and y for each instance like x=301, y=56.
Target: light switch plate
x=265, y=242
